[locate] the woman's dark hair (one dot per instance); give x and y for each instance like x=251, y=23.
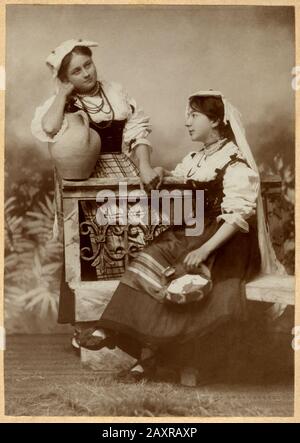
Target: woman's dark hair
x=213, y=108
x=81, y=50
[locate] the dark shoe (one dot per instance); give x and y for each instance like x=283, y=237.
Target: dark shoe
x=128, y=376
x=89, y=341
x=75, y=345
x=132, y=376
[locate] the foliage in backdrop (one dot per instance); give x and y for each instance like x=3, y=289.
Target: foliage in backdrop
x=32, y=259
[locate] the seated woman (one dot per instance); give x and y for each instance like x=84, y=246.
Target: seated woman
x=234, y=244
x=82, y=110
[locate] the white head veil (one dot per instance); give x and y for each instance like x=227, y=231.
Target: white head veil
x=269, y=262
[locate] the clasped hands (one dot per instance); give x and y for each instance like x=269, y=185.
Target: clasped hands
x=151, y=178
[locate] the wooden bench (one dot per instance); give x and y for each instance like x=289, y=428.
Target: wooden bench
x=91, y=297
x=272, y=289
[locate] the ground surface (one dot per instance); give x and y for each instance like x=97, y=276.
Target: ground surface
x=44, y=377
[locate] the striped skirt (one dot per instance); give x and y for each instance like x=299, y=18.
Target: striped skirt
x=138, y=318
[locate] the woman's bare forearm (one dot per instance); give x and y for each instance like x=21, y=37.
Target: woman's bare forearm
x=53, y=118
x=224, y=233
x=142, y=153
x=199, y=255
x=143, y=156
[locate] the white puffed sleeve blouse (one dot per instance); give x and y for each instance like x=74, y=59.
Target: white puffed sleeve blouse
x=240, y=182
x=137, y=127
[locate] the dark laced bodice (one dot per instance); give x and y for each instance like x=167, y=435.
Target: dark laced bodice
x=213, y=189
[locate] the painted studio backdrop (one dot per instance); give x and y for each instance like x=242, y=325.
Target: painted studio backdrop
x=160, y=54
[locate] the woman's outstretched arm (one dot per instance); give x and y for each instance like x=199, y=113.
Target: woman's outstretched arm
x=150, y=176
x=136, y=132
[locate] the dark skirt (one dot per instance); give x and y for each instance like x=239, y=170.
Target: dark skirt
x=139, y=320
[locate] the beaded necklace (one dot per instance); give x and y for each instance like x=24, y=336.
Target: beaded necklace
x=92, y=93
x=215, y=146
x=95, y=109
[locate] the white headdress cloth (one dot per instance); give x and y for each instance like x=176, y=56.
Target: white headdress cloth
x=57, y=55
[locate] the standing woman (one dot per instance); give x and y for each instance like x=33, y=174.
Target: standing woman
x=82, y=110
x=234, y=244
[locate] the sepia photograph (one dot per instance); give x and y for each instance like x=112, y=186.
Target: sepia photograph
x=149, y=264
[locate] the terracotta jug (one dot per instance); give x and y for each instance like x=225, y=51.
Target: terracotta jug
x=76, y=152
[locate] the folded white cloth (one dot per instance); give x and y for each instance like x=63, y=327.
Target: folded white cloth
x=57, y=55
